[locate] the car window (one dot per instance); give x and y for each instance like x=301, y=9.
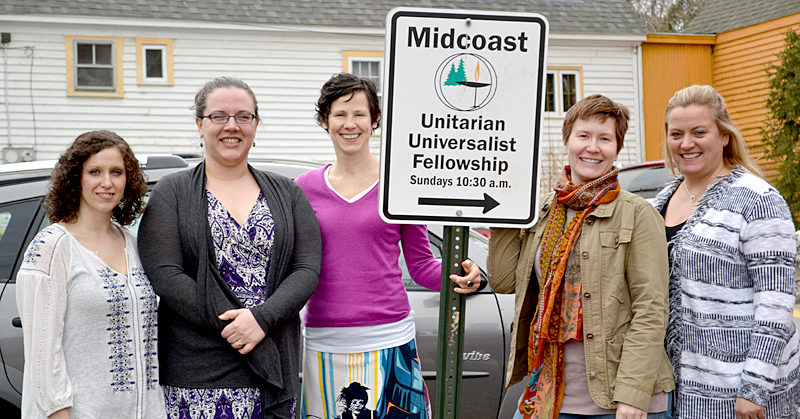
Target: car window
x=134, y=226
x=15, y=221
x=645, y=181
x=5, y=218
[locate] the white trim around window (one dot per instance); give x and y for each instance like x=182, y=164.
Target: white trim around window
x=154, y=61
x=563, y=87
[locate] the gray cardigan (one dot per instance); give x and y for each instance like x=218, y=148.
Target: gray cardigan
x=178, y=255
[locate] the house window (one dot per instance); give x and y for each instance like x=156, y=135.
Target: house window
x=154, y=61
x=563, y=87
x=367, y=64
x=94, y=66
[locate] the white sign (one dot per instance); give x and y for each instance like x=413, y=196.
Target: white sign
x=462, y=110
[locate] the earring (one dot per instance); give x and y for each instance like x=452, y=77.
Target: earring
x=254, y=144
x=121, y=204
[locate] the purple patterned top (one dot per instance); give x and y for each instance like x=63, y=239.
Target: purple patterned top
x=243, y=252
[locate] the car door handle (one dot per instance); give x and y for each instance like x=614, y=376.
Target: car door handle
x=431, y=375
x=16, y=322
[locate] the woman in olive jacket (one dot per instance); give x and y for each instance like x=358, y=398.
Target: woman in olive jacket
x=590, y=279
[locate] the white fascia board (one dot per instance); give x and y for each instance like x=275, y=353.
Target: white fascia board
x=600, y=38
x=187, y=24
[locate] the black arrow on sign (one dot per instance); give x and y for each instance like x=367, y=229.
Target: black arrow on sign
x=488, y=203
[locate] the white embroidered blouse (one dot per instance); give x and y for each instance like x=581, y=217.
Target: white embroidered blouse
x=90, y=333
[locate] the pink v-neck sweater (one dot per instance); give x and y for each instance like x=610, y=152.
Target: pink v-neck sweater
x=360, y=279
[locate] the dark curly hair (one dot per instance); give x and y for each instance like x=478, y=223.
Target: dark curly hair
x=63, y=199
x=344, y=84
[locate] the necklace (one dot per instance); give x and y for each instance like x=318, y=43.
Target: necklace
x=692, y=197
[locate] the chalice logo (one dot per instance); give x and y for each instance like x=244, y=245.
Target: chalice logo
x=465, y=82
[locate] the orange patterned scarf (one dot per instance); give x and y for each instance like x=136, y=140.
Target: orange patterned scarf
x=559, y=316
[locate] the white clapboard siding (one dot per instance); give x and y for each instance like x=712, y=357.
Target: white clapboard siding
x=610, y=70
x=285, y=67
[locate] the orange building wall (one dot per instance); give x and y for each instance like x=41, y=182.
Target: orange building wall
x=669, y=63
x=741, y=58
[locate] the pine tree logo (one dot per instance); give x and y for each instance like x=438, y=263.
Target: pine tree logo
x=456, y=76
x=465, y=82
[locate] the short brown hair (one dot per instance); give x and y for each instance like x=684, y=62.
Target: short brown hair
x=62, y=201
x=601, y=107
x=344, y=84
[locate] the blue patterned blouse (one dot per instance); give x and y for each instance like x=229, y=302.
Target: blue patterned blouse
x=243, y=254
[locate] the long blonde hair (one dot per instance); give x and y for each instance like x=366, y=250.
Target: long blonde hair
x=734, y=154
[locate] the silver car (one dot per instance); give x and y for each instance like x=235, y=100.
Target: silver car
x=488, y=315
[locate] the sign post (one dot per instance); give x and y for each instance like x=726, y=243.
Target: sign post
x=462, y=107
x=451, y=326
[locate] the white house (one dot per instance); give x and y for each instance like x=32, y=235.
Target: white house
x=133, y=66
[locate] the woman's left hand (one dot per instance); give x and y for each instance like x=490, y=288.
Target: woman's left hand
x=745, y=409
x=626, y=411
x=243, y=332
x=469, y=283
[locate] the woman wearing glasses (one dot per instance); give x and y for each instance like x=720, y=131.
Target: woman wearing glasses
x=234, y=254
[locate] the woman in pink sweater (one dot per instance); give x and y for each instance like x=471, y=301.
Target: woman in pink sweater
x=359, y=327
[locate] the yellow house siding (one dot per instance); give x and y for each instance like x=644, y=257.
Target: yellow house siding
x=669, y=63
x=741, y=58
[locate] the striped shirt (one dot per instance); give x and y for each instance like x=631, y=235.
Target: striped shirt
x=731, y=331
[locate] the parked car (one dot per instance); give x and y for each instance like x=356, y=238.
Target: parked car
x=645, y=179
x=488, y=315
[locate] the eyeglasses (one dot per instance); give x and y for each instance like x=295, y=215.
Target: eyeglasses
x=221, y=118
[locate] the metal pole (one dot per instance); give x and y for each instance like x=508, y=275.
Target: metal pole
x=451, y=326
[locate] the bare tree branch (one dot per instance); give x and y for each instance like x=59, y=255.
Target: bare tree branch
x=666, y=15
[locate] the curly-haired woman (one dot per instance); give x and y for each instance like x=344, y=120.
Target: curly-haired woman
x=88, y=310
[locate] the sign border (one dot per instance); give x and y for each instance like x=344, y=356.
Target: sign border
x=386, y=139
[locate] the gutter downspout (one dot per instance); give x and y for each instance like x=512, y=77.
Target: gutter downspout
x=637, y=56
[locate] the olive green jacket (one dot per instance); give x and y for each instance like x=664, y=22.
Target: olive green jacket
x=624, y=279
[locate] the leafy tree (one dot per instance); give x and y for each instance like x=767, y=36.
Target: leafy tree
x=782, y=132
x=666, y=15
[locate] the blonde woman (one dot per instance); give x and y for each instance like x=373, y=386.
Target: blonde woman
x=731, y=337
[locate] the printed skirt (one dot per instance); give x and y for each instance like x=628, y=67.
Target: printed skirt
x=380, y=384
